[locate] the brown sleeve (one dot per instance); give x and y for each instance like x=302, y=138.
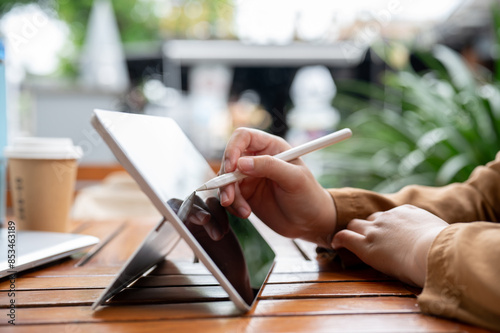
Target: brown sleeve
x=477, y=199
x=463, y=274
x=464, y=261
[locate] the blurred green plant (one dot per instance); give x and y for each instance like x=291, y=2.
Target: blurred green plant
x=428, y=128
x=136, y=19
x=139, y=21
x=198, y=19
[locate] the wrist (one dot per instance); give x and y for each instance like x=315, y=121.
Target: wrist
x=323, y=228
x=422, y=249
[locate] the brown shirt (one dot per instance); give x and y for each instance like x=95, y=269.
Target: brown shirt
x=463, y=270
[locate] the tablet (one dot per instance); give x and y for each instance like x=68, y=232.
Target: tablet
x=168, y=168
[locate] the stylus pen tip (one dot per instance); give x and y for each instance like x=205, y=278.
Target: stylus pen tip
x=202, y=188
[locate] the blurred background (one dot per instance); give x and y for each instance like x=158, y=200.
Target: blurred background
x=416, y=81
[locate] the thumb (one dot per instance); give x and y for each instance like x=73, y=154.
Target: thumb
x=286, y=175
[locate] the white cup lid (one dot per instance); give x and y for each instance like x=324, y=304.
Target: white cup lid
x=43, y=148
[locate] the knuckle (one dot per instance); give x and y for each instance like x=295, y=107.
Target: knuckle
x=283, y=144
x=226, y=161
x=409, y=206
x=266, y=162
x=375, y=216
x=282, y=141
x=240, y=131
x=339, y=238
x=370, y=236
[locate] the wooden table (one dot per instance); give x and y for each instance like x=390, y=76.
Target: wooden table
x=303, y=294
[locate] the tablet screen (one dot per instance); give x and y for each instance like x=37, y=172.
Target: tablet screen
x=233, y=244
x=167, y=167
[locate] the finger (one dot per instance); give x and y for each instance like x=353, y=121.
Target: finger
x=236, y=146
x=201, y=215
x=218, y=215
x=222, y=169
x=240, y=206
x=358, y=225
x=175, y=204
x=287, y=175
x=198, y=216
x=350, y=240
x=208, y=221
x=227, y=194
x=232, y=211
x=374, y=216
x=198, y=201
x=245, y=141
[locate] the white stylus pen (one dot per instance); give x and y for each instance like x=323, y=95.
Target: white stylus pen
x=287, y=155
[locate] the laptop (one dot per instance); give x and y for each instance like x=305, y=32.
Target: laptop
x=168, y=168
x=29, y=249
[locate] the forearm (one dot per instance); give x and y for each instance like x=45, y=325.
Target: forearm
x=474, y=200
x=452, y=203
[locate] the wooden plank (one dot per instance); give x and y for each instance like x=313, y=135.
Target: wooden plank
x=67, y=297
x=146, y=312
x=287, y=265
x=175, y=280
x=102, y=281
x=51, y=297
x=204, y=279
x=335, y=306
x=116, y=313
x=334, y=289
x=66, y=265
x=55, y=277
x=399, y=323
x=284, y=247
x=284, y=267
x=170, y=295
x=199, y=290
x=308, y=249
x=284, y=271
x=97, y=172
x=99, y=229
x=59, y=282
x=298, y=266
x=345, y=276
x=182, y=252
x=274, y=278
x=67, y=269
x=179, y=267
x=121, y=247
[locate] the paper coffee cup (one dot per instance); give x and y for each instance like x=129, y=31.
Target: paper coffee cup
x=42, y=175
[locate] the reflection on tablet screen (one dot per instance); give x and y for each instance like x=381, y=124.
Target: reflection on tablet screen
x=233, y=244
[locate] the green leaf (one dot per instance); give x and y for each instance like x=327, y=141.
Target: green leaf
x=496, y=33
x=451, y=167
x=458, y=71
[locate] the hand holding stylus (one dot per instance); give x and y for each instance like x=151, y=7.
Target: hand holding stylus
x=284, y=195
x=287, y=155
